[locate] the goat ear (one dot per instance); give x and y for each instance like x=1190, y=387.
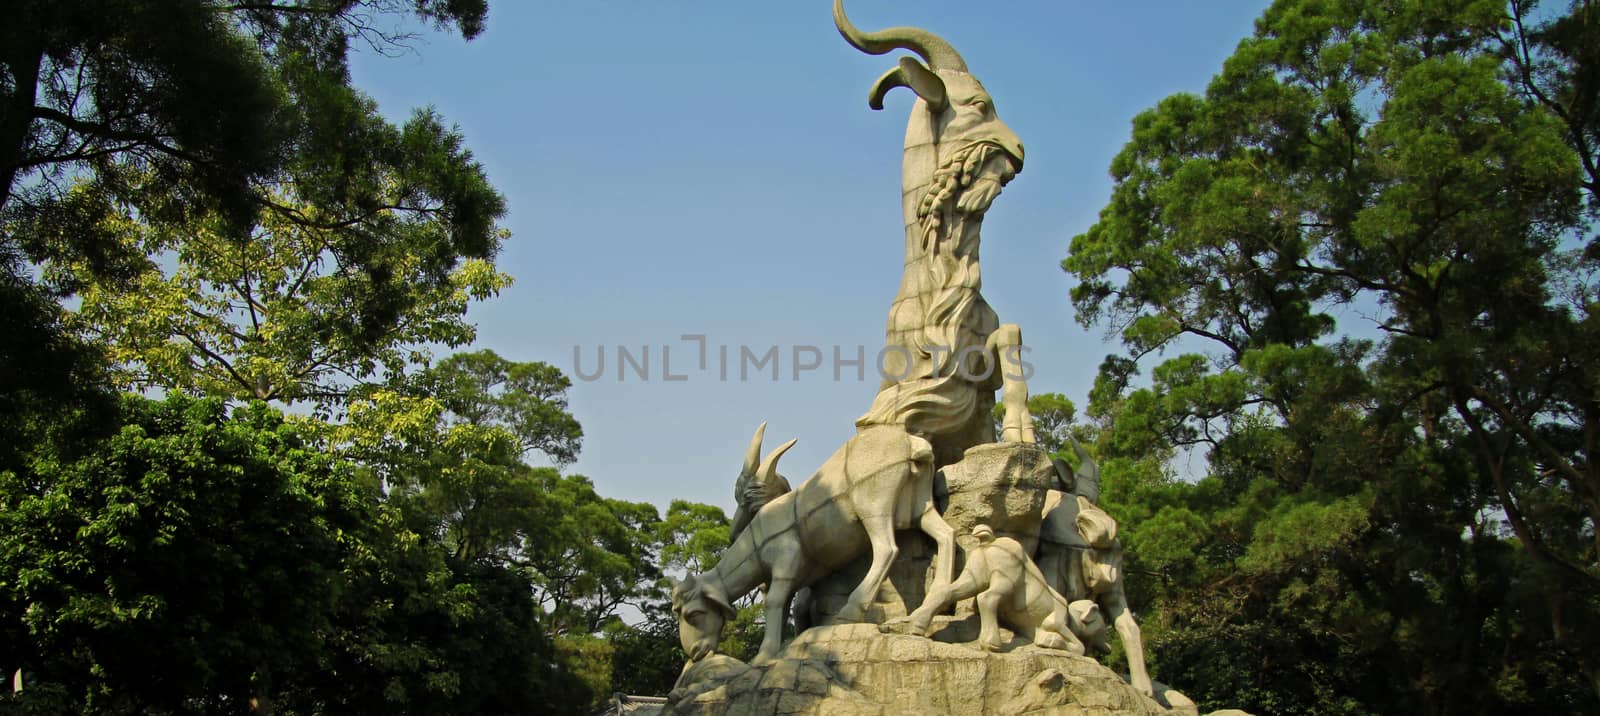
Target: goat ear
x=1086, y=480
x=681, y=590
x=714, y=594
x=910, y=73
x=1064, y=477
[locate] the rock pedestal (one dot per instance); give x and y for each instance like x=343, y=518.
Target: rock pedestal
x=1002, y=485
x=856, y=669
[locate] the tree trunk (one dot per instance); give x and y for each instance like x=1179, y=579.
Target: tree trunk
x=16, y=116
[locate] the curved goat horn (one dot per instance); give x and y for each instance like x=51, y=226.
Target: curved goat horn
x=934, y=50
x=753, y=454
x=769, y=466
x=909, y=73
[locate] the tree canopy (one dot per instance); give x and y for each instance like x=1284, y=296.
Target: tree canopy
x=228, y=136
x=1371, y=244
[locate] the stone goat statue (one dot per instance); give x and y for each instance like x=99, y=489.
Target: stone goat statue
x=1010, y=588
x=945, y=351
x=879, y=481
x=1081, y=557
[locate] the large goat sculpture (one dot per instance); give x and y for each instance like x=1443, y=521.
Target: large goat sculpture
x=943, y=362
x=945, y=351
x=881, y=480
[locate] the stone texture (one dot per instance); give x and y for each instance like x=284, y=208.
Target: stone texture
x=1060, y=524
x=1002, y=485
x=1080, y=557
x=957, y=156
x=1009, y=589
x=910, y=576
x=856, y=669
x=882, y=477
x=759, y=482
x=1175, y=701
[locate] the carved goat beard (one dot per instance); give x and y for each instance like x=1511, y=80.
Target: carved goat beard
x=943, y=227
x=955, y=175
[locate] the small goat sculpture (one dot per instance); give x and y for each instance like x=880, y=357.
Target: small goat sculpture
x=1009, y=587
x=945, y=351
x=879, y=481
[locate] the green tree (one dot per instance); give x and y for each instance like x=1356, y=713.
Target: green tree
x=212, y=543
x=134, y=128
x=50, y=381
x=269, y=317
x=528, y=400
x=1429, y=165
x=451, y=441
x=421, y=632
x=191, y=107
x=692, y=536
x=455, y=436
x=249, y=565
x=646, y=658
x=484, y=502
x=590, y=555
x=1054, y=417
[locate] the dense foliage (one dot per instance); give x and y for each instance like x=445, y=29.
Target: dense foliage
x=1369, y=254
x=196, y=203
x=196, y=563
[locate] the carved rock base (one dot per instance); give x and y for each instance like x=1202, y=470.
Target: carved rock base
x=1002, y=485
x=856, y=669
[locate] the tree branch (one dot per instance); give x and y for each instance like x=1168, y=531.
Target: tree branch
x=1525, y=431
x=1368, y=284
x=1496, y=468
x=219, y=360
x=16, y=117
x=1203, y=333
x=225, y=327
x=271, y=7
x=108, y=132
x=298, y=217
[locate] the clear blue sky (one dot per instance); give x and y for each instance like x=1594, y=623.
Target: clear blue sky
x=712, y=168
